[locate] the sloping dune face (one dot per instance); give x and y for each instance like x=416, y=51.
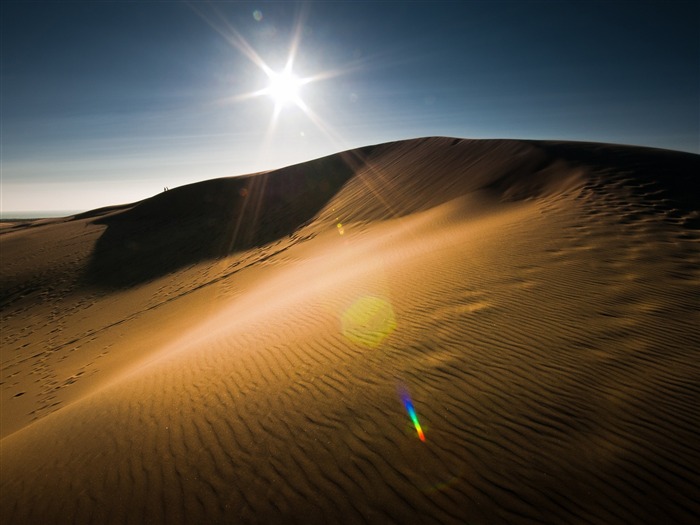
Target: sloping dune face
x=430, y=331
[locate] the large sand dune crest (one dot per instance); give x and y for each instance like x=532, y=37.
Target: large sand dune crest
x=244, y=358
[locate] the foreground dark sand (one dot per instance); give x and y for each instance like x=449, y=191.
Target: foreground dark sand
x=235, y=351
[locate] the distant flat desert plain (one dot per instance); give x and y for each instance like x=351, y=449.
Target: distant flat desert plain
x=437, y=330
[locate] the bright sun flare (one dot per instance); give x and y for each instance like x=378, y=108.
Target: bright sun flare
x=284, y=88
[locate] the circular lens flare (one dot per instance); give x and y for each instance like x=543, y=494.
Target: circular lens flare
x=368, y=321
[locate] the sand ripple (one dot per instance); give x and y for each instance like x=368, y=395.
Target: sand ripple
x=545, y=327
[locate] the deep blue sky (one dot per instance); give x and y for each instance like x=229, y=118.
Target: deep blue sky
x=104, y=103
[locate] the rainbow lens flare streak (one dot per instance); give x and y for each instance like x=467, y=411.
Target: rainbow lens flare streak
x=406, y=398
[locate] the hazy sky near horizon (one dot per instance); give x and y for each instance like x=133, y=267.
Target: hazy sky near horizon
x=108, y=102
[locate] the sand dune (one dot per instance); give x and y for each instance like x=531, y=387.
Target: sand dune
x=240, y=350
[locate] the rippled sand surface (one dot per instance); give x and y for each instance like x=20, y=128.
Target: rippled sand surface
x=428, y=331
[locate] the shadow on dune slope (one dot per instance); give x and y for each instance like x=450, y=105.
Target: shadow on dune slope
x=670, y=180
x=212, y=219
x=215, y=218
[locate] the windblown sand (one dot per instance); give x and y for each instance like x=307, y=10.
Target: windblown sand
x=236, y=351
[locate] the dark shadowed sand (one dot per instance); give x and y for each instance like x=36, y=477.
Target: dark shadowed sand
x=243, y=350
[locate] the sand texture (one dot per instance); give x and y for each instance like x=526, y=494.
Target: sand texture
x=243, y=350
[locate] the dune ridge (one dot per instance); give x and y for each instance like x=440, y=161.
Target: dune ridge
x=537, y=300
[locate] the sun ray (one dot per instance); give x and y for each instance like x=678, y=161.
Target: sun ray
x=372, y=177
x=288, y=93
x=294, y=45
x=269, y=133
x=231, y=35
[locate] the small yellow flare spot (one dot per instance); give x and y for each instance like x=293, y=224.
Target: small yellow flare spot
x=368, y=321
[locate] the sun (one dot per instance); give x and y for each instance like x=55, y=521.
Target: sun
x=284, y=88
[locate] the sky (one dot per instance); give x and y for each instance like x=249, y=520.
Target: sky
x=106, y=103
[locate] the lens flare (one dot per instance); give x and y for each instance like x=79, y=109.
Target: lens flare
x=406, y=398
x=368, y=321
x=284, y=88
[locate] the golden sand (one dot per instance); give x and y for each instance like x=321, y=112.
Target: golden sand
x=265, y=349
